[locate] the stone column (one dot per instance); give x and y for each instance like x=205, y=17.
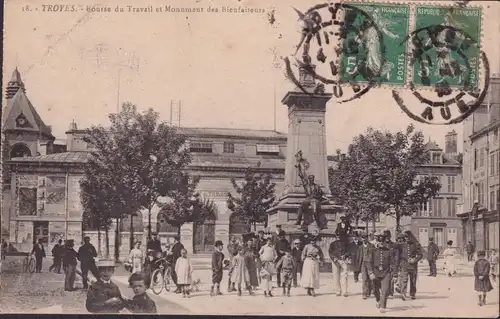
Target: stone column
x=187, y=237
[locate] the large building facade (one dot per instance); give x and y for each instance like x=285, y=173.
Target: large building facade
x=43, y=200
x=481, y=169
x=438, y=217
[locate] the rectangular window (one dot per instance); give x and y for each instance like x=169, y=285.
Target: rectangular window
x=492, y=199
x=492, y=164
x=474, y=192
x=436, y=158
x=439, y=207
x=452, y=206
x=480, y=194
x=481, y=157
x=268, y=149
x=228, y=147
x=198, y=147
x=476, y=158
x=451, y=184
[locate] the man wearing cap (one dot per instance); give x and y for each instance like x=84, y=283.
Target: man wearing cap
x=340, y=265
x=86, y=255
x=69, y=265
x=297, y=256
x=281, y=246
x=382, y=268
x=103, y=295
x=432, y=255
x=366, y=248
x=411, y=253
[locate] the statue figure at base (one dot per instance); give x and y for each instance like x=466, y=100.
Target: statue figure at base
x=311, y=206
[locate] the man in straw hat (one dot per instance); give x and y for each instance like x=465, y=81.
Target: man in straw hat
x=104, y=296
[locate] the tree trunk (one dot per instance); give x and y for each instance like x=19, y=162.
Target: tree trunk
x=149, y=223
x=398, y=222
x=179, y=231
x=254, y=226
x=107, y=241
x=367, y=225
x=131, y=231
x=357, y=222
x=374, y=229
x=99, y=252
x=117, y=239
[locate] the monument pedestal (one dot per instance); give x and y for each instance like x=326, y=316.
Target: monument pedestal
x=306, y=134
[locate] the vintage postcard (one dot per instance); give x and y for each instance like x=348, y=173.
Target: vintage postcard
x=251, y=157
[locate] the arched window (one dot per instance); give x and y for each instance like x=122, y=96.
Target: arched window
x=20, y=150
x=136, y=223
x=162, y=226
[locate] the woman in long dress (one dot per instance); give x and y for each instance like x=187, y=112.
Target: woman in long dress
x=312, y=255
x=450, y=259
x=239, y=272
x=250, y=256
x=136, y=257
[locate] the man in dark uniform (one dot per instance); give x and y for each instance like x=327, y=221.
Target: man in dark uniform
x=432, y=256
x=103, y=295
x=282, y=245
x=39, y=253
x=176, y=254
x=411, y=253
x=343, y=231
x=86, y=255
x=366, y=248
x=382, y=268
x=393, y=245
x=69, y=265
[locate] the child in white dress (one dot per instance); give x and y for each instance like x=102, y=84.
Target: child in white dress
x=136, y=258
x=184, y=272
x=450, y=259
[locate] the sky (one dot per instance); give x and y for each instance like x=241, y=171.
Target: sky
x=224, y=67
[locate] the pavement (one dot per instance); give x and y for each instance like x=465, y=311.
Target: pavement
x=436, y=297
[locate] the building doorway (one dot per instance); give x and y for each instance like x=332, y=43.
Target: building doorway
x=204, y=236
x=41, y=231
x=438, y=234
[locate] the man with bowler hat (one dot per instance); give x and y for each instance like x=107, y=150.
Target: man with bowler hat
x=432, y=255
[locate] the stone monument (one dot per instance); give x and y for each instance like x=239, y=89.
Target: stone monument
x=306, y=142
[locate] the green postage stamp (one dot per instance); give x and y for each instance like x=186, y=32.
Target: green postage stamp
x=374, y=49
x=448, y=46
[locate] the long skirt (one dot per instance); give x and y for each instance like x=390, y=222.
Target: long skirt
x=483, y=285
x=450, y=265
x=310, y=273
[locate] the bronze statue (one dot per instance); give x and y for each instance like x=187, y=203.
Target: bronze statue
x=314, y=197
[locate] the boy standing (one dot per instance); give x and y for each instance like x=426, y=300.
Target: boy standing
x=217, y=268
x=104, y=296
x=287, y=265
x=141, y=303
x=297, y=256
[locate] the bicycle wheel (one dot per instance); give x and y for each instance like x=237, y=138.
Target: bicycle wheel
x=25, y=264
x=32, y=265
x=167, y=278
x=157, y=282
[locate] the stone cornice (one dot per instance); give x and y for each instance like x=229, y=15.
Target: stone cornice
x=485, y=130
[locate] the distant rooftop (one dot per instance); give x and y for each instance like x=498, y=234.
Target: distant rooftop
x=252, y=133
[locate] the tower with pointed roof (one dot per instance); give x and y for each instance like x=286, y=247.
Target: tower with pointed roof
x=22, y=126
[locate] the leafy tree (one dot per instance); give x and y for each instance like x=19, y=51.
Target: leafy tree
x=185, y=205
x=109, y=186
x=379, y=174
x=255, y=196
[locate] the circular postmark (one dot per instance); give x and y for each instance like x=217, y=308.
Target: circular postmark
x=350, y=46
x=445, y=59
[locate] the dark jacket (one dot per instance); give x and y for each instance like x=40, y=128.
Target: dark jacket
x=297, y=254
x=281, y=246
x=154, y=244
x=343, y=232
x=141, y=304
x=469, y=248
x=38, y=251
x=407, y=251
x=364, y=254
x=176, y=251
x=217, y=261
x=98, y=293
x=337, y=250
x=432, y=251
x=383, y=261
x=57, y=250
x=87, y=253
x=70, y=257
